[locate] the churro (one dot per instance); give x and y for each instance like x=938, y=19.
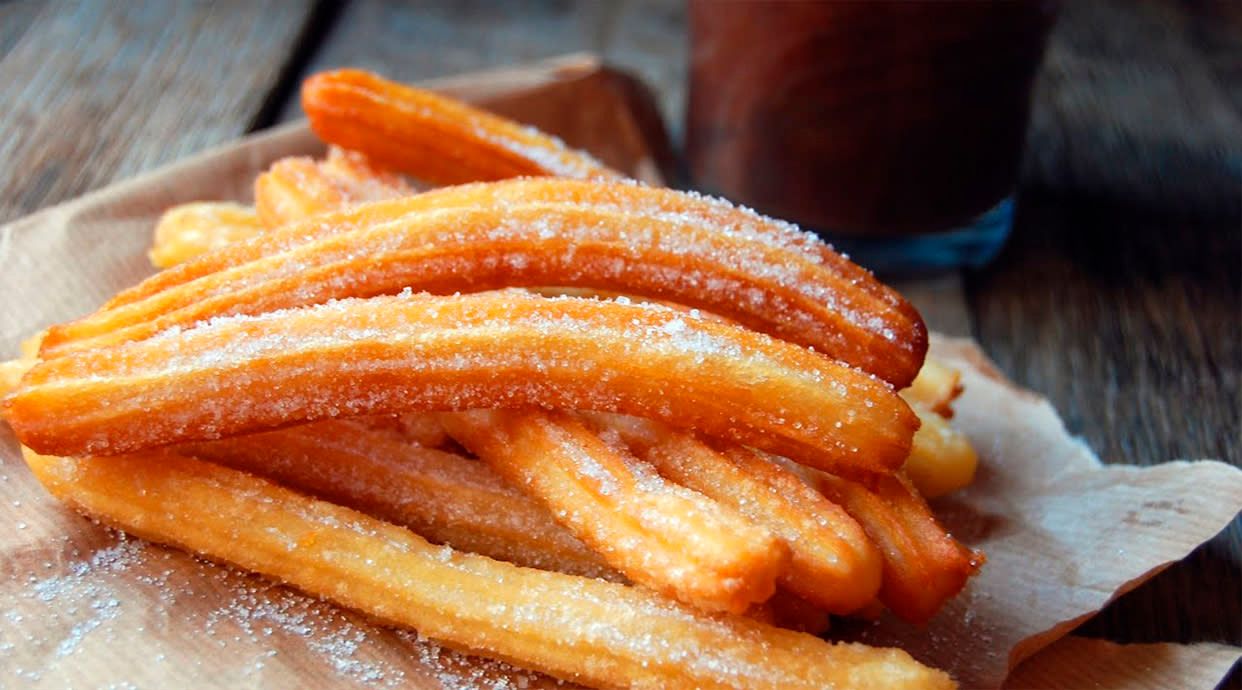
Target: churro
x=189, y=230
x=11, y=373
x=596, y=235
x=942, y=459
x=443, y=497
x=575, y=628
x=296, y=188
x=432, y=137
x=833, y=564
x=499, y=349
x=936, y=387
x=924, y=566
x=674, y=541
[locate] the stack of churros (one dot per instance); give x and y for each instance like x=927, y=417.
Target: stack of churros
x=622, y=435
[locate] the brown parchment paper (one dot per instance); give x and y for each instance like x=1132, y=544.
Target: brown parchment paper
x=84, y=607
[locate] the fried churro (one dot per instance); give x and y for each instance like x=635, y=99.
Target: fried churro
x=660, y=535
x=443, y=497
x=596, y=632
x=942, y=459
x=512, y=234
x=833, y=564
x=936, y=387
x=500, y=349
x=924, y=566
x=189, y=230
x=296, y=188
x=432, y=137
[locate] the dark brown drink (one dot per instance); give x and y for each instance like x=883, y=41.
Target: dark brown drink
x=863, y=118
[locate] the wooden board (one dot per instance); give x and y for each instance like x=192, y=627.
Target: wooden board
x=144, y=84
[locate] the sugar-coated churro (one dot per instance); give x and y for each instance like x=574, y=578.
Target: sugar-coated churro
x=575, y=628
x=432, y=137
x=657, y=243
x=189, y=230
x=11, y=373
x=833, y=563
x=499, y=349
x=924, y=566
x=658, y=534
x=443, y=497
x=296, y=188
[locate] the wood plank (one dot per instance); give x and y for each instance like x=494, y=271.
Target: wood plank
x=97, y=91
x=941, y=299
x=1139, y=101
x=15, y=18
x=1128, y=321
x=1119, y=298
x=416, y=41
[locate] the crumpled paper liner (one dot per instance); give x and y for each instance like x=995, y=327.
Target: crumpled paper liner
x=81, y=606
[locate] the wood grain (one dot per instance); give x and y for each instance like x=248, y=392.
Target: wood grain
x=1128, y=321
x=1140, y=101
x=417, y=41
x=142, y=84
x=15, y=18
x=1119, y=294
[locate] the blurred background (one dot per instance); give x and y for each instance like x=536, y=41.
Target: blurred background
x=1118, y=294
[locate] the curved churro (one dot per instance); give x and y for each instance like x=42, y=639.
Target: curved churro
x=186, y=231
x=660, y=535
x=500, y=349
x=924, y=566
x=432, y=137
x=298, y=187
x=527, y=233
x=833, y=564
x=442, y=497
x=578, y=629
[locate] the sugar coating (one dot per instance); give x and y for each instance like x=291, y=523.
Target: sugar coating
x=92, y=599
x=713, y=252
x=546, y=151
x=644, y=359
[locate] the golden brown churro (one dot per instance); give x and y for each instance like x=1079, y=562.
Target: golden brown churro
x=431, y=137
x=923, y=565
x=942, y=460
x=597, y=632
x=510, y=234
x=443, y=497
x=189, y=230
x=296, y=188
x=672, y=540
x=499, y=349
x=834, y=565
x=936, y=387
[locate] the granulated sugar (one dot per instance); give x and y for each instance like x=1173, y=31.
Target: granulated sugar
x=456, y=671
x=147, y=616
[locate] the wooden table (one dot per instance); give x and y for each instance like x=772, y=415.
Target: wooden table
x=1119, y=296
